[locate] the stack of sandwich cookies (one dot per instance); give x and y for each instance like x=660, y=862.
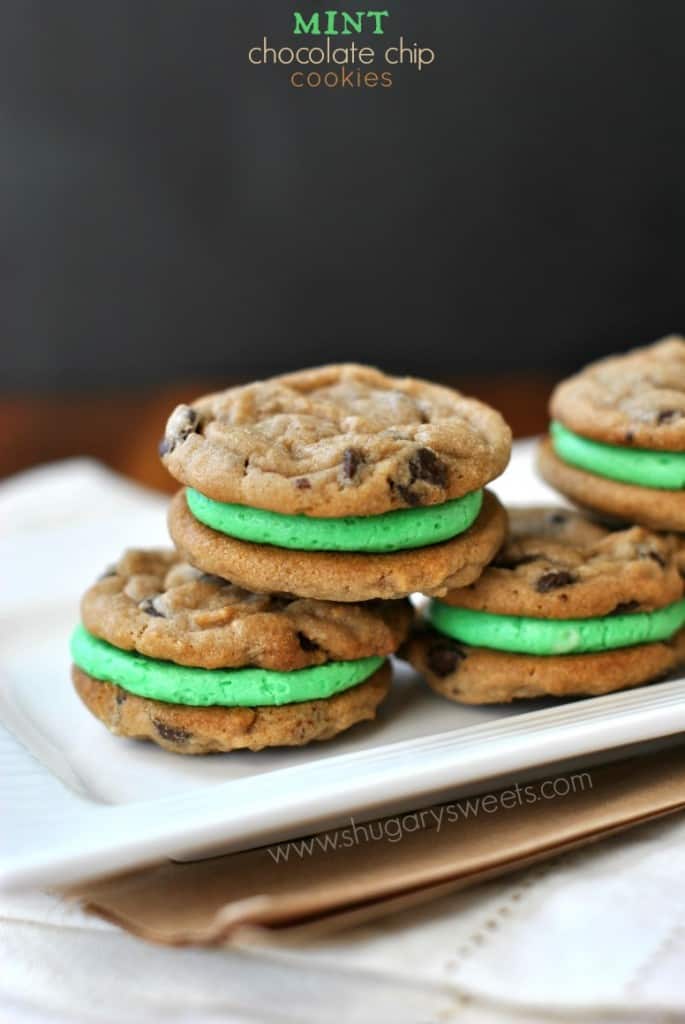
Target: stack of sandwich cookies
x=339, y=483
x=567, y=608
x=170, y=654
x=617, y=438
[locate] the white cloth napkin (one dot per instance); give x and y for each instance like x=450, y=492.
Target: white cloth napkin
x=595, y=935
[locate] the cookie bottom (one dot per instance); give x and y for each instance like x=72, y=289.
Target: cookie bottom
x=655, y=508
x=479, y=675
x=336, y=575
x=212, y=730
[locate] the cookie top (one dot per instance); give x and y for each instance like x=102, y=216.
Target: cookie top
x=162, y=607
x=557, y=564
x=335, y=441
x=636, y=399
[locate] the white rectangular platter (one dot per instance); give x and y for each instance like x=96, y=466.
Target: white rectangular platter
x=77, y=802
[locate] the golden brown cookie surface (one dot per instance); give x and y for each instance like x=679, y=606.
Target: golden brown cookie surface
x=636, y=399
x=628, y=503
x=336, y=441
x=189, y=730
x=479, y=675
x=556, y=564
x=341, y=576
x=154, y=603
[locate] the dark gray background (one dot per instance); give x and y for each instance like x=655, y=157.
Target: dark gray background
x=169, y=210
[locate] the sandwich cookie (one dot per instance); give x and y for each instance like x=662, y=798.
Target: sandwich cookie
x=567, y=608
x=617, y=437
x=196, y=664
x=338, y=483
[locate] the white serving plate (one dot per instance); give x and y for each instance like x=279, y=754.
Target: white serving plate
x=77, y=802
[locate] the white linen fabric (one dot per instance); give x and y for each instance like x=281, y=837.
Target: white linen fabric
x=595, y=935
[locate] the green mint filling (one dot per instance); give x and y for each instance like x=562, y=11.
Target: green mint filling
x=662, y=470
x=390, y=531
x=523, y=635
x=202, y=687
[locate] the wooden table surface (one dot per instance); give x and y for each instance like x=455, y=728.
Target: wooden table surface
x=123, y=429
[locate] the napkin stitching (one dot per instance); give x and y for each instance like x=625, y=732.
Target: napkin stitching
x=483, y=932
x=640, y=973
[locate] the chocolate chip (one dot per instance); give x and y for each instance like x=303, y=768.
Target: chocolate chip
x=645, y=552
x=558, y=518
x=625, y=607
x=148, y=606
x=171, y=733
x=667, y=416
x=183, y=422
x=408, y=496
x=352, y=460
x=444, y=657
x=513, y=562
x=425, y=465
x=629, y=437
x=553, y=580
x=306, y=643
x=120, y=697
x=302, y=483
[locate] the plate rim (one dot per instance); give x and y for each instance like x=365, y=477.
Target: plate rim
x=90, y=839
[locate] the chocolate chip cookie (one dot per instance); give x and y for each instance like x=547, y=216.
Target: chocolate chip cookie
x=617, y=438
x=197, y=664
x=338, y=483
x=566, y=608
x=343, y=440
x=211, y=730
x=341, y=576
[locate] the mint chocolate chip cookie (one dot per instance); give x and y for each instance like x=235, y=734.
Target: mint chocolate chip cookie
x=341, y=576
x=338, y=483
x=197, y=664
x=617, y=438
x=566, y=608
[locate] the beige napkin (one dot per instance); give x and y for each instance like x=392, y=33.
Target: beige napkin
x=276, y=894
